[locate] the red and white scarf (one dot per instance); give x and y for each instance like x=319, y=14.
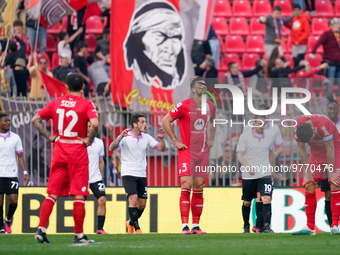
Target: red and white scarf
x=277, y=32
x=242, y=83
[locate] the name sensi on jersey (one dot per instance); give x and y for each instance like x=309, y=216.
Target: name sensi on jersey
x=69, y=104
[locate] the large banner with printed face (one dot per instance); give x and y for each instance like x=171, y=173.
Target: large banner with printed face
x=150, y=52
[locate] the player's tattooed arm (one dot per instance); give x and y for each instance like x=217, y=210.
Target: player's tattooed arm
x=114, y=145
x=37, y=122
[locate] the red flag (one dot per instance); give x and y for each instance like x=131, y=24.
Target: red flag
x=96, y=8
x=54, y=87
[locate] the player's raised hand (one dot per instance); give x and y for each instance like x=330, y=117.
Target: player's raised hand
x=180, y=146
x=26, y=179
x=52, y=138
x=161, y=133
x=125, y=132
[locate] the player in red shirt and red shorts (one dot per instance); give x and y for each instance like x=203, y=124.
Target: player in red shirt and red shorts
x=197, y=137
x=69, y=173
x=324, y=140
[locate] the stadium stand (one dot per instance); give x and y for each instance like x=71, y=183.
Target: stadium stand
x=222, y=9
x=242, y=8
x=324, y=8
x=220, y=26
x=234, y=44
x=261, y=8
x=256, y=28
x=94, y=25
x=92, y=41
x=51, y=45
x=238, y=26
x=286, y=7
x=312, y=39
x=249, y=60
x=319, y=25
x=255, y=43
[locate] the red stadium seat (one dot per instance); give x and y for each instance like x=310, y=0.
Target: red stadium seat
x=238, y=26
x=337, y=8
x=54, y=30
x=234, y=44
x=231, y=57
x=249, y=60
x=289, y=58
x=261, y=8
x=286, y=6
x=220, y=26
x=94, y=25
x=255, y=43
x=222, y=9
x=92, y=41
x=314, y=62
x=242, y=8
x=51, y=45
x=324, y=8
x=55, y=60
x=319, y=25
x=45, y=56
x=257, y=28
x=312, y=39
x=64, y=23
x=284, y=46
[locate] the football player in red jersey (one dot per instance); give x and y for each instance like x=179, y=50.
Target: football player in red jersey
x=69, y=173
x=324, y=140
x=197, y=137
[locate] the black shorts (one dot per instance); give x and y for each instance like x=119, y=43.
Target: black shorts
x=265, y=186
x=9, y=185
x=249, y=189
x=98, y=189
x=135, y=185
x=324, y=185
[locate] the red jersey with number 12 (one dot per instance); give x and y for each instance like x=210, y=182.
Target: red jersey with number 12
x=325, y=131
x=70, y=115
x=193, y=124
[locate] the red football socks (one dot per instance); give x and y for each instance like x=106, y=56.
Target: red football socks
x=335, y=207
x=45, y=211
x=184, y=205
x=310, y=209
x=196, y=205
x=78, y=215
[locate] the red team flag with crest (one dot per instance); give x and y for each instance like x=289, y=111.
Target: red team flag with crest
x=150, y=52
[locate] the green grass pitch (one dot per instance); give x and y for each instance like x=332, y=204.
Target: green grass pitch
x=175, y=244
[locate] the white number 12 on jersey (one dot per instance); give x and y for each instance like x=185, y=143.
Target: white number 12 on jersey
x=67, y=131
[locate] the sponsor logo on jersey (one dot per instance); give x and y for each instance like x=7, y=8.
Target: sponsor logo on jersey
x=179, y=104
x=199, y=124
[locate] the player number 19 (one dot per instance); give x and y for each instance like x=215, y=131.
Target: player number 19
x=67, y=131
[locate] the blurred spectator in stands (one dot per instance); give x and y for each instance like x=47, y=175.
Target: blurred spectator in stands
x=32, y=31
x=98, y=75
x=61, y=71
x=310, y=7
x=108, y=65
x=214, y=46
x=276, y=53
x=64, y=43
x=14, y=53
x=8, y=87
x=21, y=15
x=330, y=40
x=280, y=74
x=237, y=77
x=81, y=65
x=18, y=33
x=103, y=46
x=107, y=13
x=308, y=77
x=114, y=166
x=37, y=90
x=274, y=29
x=74, y=22
x=209, y=72
x=301, y=3
x=200, y=49
x=21, y=76
x=258, y=81
x=299, y=34
x=2, y=45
